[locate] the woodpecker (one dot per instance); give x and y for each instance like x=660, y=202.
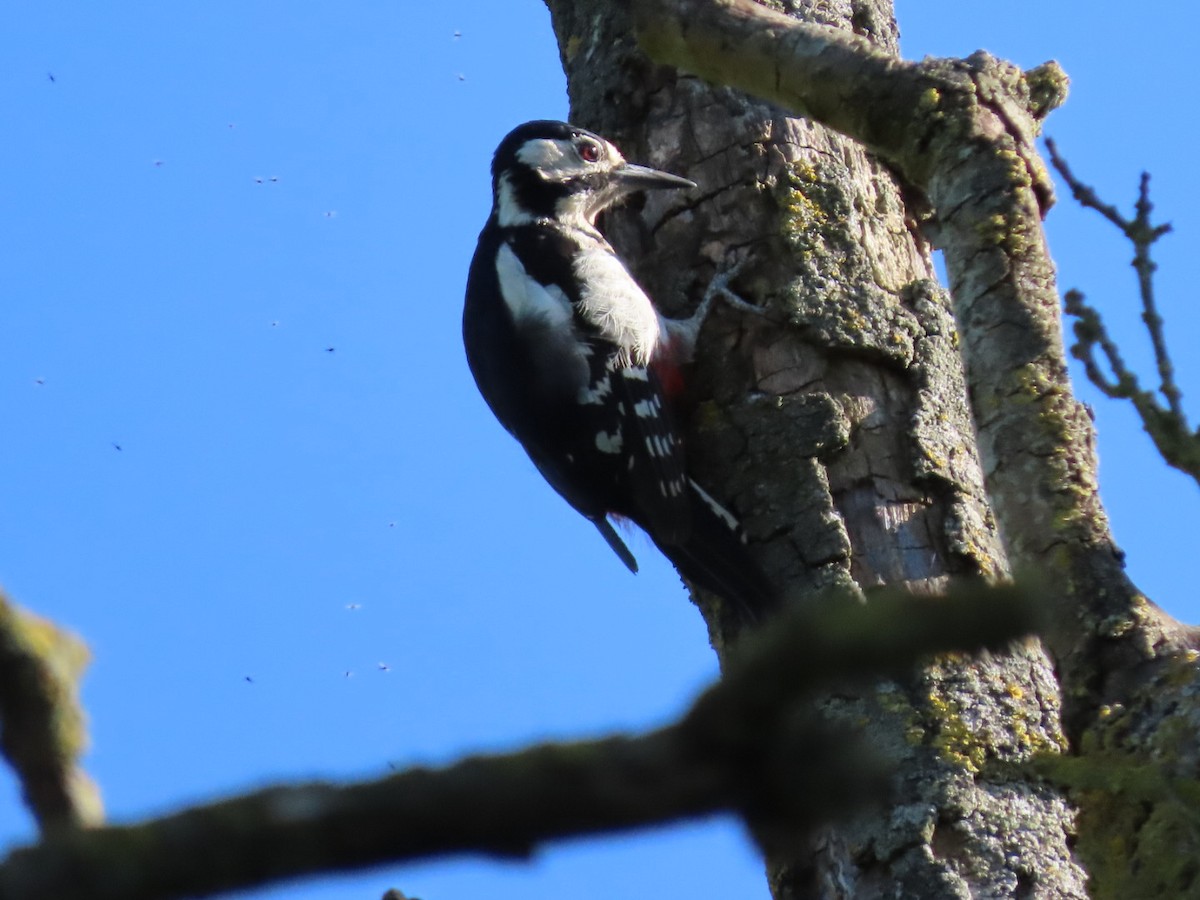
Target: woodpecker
x=575, y=360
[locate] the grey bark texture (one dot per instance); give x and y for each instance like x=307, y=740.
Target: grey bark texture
x=844, y=432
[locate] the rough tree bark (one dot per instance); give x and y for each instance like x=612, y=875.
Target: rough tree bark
x=844, y=433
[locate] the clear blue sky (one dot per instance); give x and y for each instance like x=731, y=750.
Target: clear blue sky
x=299, y=517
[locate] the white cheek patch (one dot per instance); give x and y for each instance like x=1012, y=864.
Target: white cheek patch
x=553, y=159
x=558, y=160
x=525, y=297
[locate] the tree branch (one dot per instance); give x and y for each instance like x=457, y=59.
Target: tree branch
x=737, y=750
x=1168, y=428
x=43, y=726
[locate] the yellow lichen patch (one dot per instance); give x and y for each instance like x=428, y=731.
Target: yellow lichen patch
x=809, y=202
x=802, y=211
x=931, y=99
x=571, y=47
x=933, y=458
x=1018, y=172
x=992, y=229
x=955, y=741
x=1031, y=736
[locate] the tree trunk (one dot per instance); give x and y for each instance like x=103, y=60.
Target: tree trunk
x=839, y=430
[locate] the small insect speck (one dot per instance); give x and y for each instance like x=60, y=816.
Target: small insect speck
x=232, y=125
x=258, y=179
x=50, y=75
x=274, y=179
x=384, y=667
x=391, y=524
x=116, y=445
x=39, y=381
x=347, y=674
x=331, y=213
x=249, y=680
x=329, y=349
x=353, y=606
x=462, y=77
x=275, y=323
x=392, y=766
x=457, y=35
x=158, y=163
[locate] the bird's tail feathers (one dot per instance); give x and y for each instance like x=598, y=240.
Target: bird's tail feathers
x=614, y=540
x=715, y=558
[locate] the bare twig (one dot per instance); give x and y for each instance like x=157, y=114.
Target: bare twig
x=43, y=730
x=1089, y=332
x=736, y=749
x=1168, y=427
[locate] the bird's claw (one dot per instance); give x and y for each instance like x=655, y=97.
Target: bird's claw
x=719, y=287
x=685, y=332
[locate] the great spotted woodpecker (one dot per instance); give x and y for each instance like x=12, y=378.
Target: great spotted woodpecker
x=572, y=357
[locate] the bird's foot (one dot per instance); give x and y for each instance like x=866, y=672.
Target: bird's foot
x=685, y=332
x=719, y=286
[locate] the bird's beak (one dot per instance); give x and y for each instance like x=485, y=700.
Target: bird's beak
x=642, y=178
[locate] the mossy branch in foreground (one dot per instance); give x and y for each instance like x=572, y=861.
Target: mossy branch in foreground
x=42, y=727
x=749, y=745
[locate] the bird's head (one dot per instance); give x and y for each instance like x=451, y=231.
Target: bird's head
x=553, y=170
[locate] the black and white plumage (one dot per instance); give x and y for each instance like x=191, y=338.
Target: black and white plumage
x=572, y=356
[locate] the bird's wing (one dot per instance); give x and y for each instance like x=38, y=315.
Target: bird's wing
x=654, y=456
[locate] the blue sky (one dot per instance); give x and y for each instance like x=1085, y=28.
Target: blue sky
x=206, y=198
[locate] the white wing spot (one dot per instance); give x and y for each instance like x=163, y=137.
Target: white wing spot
x=609, y=443
x=597, y=393
x=647, y=409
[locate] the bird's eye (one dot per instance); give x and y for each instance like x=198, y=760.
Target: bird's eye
x=589, y=151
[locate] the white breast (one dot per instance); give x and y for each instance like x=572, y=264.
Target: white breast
x=613, y=302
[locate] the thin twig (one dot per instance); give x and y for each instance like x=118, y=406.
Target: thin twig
x=1168, y=427
x=1142, y=234
x=1090, y=331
